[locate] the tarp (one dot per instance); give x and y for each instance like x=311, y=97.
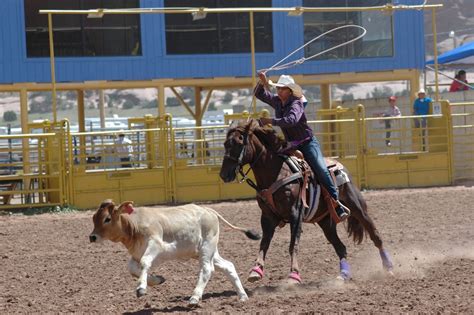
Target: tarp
x=463, y=55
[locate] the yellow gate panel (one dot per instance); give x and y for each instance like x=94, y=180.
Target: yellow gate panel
x=242, y=190
x=203, y=183
x=141, y=186
x=386, y=171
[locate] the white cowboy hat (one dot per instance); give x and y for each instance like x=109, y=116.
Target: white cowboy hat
x=289, y=82
x=421, y=91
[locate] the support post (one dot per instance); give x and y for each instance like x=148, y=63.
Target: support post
x=252, y=52
x=328, y=128
x=435, y=51
x=102, y=109
x=81, y=117
x=161, y=100
x=53, y=71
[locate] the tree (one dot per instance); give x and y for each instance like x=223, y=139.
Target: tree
x=9, y=115
x=385, y=91
x=227, y=97
x=347, y=97
x=172, y=101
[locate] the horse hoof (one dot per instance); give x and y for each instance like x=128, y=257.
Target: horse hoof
x=243, y=298
x=344, y=276
x=294, y=278
x=254, y=277
x=155, y=280
x=140, y=292
x=193, y=301
x=390, y=273
x=256, y=274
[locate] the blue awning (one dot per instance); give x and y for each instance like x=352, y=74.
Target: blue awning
x=461, y=55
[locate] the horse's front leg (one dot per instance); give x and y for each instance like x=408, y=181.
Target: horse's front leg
x=268, y=229
x=296, y=222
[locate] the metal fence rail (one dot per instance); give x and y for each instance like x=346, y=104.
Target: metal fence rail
x=167, y=164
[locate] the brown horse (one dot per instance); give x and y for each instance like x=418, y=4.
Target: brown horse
x=249, y=143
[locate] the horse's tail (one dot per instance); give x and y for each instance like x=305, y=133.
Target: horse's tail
x=253, y=235
x=354, y=226
x=355, y=229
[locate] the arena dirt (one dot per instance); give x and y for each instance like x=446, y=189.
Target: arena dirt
x=49, y=266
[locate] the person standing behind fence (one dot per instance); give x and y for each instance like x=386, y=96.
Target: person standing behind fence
x=392, y=111
x=457, y=86
x=421, y=107
x=124, y=149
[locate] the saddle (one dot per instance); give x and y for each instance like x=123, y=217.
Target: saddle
x=301, y=171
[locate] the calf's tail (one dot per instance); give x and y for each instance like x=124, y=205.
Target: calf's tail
x=253, y=235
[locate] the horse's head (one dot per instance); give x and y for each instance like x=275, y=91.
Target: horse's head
x=237, y=150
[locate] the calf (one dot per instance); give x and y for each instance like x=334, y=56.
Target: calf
x=153, y=236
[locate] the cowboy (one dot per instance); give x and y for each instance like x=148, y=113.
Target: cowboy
x=290, y=117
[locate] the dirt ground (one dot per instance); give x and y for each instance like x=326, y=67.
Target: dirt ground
x=49, y=266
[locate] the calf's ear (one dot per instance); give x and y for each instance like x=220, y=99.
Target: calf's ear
x=126, y=206
x=108, y=204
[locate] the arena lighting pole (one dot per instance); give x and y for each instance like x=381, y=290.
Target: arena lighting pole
x=51, y=57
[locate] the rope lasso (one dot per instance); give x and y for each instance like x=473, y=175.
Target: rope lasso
x=300, y=61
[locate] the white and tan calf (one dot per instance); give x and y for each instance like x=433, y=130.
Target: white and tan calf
x=155, y=235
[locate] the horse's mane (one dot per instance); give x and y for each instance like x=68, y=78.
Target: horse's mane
x=267, y=135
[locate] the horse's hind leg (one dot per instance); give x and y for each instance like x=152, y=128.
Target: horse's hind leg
x=330, y=231
x=360, y=220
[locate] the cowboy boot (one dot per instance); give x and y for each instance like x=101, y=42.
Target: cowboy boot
x=342, y=211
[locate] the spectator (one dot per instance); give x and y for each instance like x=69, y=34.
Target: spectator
x=392, y=111
x=457, y=86
x=421, y=107
x=123, y=147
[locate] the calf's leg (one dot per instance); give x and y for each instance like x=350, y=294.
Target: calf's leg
x=151, y=252
x=206, y=258
x=135, y=270
x=228, y=269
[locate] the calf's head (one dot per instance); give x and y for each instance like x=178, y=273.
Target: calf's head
x=107, y=224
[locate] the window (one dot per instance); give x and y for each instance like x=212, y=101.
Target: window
x=80, y=36
x=378, y=42
x=217, y=33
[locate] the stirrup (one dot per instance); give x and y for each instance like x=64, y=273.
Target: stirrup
x=346, y=210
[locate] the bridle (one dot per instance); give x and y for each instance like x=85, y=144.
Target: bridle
x=240, y=164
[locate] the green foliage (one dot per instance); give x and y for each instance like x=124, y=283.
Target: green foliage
x=9, y=115
x=128, y=105
x=347, y=97
x=172, y=101
x=385, y=91
x=228, y=97
x=150, y=104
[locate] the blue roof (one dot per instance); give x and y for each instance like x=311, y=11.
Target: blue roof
x=457, y=55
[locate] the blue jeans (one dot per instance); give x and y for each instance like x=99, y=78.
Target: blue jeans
x=313, y=155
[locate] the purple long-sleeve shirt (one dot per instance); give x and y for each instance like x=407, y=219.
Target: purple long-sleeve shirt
x=290, y=117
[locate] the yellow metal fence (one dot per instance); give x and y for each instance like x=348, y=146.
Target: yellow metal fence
x=166, y=164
